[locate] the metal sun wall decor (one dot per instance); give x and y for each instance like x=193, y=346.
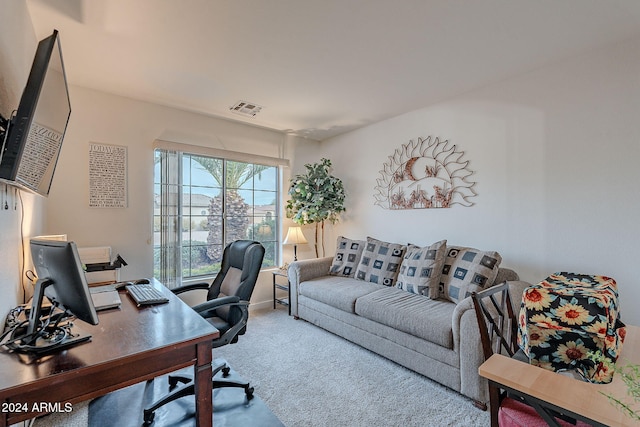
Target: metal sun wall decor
x=424, y=174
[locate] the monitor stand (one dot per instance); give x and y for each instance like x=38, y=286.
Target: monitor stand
x=51, y=340
x=44, y=346
x=58, y=335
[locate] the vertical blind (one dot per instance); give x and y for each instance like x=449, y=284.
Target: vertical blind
x=170, y=260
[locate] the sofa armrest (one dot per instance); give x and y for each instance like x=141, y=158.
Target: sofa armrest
x=300, y=271
x=516, y=289
x=506, y=275
x=466, y=341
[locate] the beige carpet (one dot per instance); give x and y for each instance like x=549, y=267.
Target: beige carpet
x=78, y=417
x=310, y=377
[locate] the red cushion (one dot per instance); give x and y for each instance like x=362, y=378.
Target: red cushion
x=513, y=413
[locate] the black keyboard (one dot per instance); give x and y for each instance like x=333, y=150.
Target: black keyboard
x=146, y=294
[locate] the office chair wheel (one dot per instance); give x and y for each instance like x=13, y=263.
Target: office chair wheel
x=225, y=371
x=249, y=392
x=148, y=417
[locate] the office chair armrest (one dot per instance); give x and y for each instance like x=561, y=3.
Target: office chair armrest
x=231, y=334
x=189, y=287
x=206, y=307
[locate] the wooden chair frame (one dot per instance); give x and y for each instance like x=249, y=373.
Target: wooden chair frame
x=498, y=327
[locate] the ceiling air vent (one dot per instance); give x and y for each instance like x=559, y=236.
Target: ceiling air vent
x=248, y=109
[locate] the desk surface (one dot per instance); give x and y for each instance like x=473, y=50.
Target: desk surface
x=129, y=345
x=574, y=395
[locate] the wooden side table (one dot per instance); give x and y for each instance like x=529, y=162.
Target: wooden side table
x=578, y=399
x=276, y=286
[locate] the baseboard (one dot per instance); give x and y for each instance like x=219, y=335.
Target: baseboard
x=261, y=305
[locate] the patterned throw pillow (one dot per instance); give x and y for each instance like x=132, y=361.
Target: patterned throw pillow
x=421, y=268
x=467, y=270
x=347, y=257
x=380, y=262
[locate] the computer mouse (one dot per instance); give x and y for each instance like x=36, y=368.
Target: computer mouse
x=121, y=285
x=141, y=281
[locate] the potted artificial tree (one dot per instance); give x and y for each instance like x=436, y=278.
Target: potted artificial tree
x=316, y=197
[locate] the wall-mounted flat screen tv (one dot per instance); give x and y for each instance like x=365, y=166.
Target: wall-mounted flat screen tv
x=34, y=134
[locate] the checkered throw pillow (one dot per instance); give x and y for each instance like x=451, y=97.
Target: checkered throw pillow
x=380, y=262
x=421, y=269
x=347, y=257
x=467, y=270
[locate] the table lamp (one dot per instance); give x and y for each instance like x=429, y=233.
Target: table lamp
x=294, y=237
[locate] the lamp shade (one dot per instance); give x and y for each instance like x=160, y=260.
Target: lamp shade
x=294, y=236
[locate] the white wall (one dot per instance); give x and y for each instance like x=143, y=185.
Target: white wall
x=98, y=117
x=303, y=152
x=108, y=119
x=17, y=47
x=556, y=156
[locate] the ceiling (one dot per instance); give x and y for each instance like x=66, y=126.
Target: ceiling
x=319, y=68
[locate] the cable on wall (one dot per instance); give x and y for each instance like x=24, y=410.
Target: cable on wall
x=22, y=258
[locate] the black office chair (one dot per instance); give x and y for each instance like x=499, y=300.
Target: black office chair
x=226, y=308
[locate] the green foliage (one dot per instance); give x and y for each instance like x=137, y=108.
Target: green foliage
x=237, y=173
x=195, y=261
x=630, y=375
x=265, y=233
x=194, y=253
x=236, y=212
x=234, y=218
x=315, y=196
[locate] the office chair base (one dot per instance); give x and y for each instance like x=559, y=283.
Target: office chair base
x=184, y=379
x=189, y=390
x=175, y=379
x=248, y=390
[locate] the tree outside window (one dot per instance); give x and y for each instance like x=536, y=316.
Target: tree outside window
x=220, y=201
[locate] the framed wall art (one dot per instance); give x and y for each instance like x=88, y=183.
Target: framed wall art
x=425, y=174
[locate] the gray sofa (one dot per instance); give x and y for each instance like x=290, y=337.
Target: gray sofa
x=441, y=341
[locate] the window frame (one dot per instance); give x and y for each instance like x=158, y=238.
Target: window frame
x=178, y=180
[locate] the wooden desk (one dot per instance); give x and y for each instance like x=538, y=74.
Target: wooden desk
x=129, y=345
x=577, y=397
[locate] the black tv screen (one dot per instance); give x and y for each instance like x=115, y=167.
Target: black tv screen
x=34, y=135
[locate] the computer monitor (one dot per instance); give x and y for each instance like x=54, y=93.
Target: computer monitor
x=61, y=279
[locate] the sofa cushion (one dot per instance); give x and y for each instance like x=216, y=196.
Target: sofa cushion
x=414, y=314
x=421, y=269
x=347, y=256
x=336, y=291
x=467, y=270
x=380, y=262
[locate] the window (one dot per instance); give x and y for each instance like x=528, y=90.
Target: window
x=202, y=203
